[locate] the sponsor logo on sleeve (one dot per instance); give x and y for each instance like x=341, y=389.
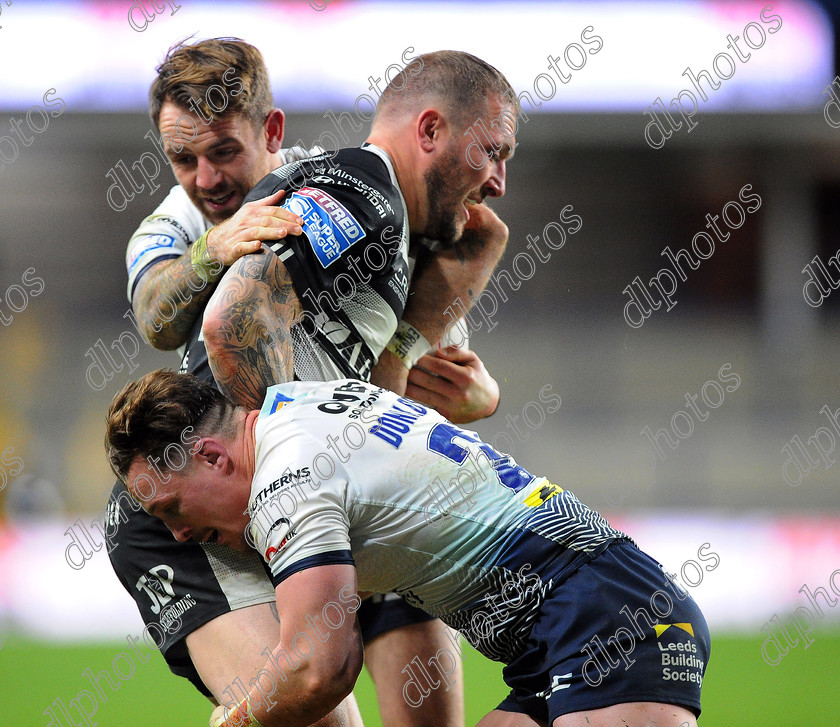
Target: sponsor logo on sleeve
x=156, y=583
x=272, y=550
x=546, y=492
x=328, y=225
x=280, y=400
x=298, y=478
x=679, y=658
x=171, y=614
x=154, y=242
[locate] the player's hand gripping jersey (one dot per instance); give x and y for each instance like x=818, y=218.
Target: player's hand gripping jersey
x=176, y=224
x=350, y=268
x=350, y=473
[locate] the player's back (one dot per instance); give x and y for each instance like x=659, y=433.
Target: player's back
x=425, y=508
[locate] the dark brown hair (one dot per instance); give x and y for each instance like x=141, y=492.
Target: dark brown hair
x=161, y=409
x=189, y=71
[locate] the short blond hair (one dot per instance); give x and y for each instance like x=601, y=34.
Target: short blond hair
x=463, y=82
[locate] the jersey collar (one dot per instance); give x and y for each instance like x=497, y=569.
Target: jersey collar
x=383, y=155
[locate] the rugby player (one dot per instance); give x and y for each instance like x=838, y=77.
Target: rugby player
x=415, y=173
x=204, y=596
x=529, y=575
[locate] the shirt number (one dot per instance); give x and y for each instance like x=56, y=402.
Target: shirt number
x=442, y=440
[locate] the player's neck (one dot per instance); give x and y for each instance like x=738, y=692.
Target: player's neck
x=405, y=171
x=249, y=444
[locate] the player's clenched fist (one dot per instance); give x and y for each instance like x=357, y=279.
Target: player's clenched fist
x=254, y=222
x=455, y=382
x=486, y=225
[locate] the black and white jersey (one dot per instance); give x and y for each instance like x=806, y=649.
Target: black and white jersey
x=349, y=268
x=178, y=586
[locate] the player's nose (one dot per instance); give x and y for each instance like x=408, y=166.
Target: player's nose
x=207, y=175
x=182, y=534
x=495, y=185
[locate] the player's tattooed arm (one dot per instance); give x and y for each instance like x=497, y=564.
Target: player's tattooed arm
x=167, y=299
x=171, y=295
x=247, y=328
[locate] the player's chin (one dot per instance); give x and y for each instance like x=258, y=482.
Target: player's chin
x=459, y=227
x=217, y=213
x=448, y=227
x=236, y=542
x=453, y=232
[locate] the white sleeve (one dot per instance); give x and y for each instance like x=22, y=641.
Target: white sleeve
x=295, y=523
x=166, y=233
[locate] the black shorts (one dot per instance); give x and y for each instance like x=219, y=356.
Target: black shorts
x=382, y=613
x=617, y=630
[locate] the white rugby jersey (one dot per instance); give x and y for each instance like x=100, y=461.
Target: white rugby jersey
x=350, y=473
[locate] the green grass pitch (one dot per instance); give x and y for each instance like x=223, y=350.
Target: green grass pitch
x=740, y=689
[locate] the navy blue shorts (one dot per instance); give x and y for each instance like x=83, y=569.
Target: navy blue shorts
x=617, y=630
x=382, y=613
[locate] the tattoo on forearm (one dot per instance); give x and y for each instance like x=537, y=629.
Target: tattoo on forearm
x=169, y=298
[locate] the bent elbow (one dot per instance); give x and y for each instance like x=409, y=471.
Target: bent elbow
x=163, y=341
x=331, y=686
x=157, y=334
x=212, y=327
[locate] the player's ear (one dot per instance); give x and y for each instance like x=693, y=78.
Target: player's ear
x=273, y=129
x=429, y=126
x=212, y=453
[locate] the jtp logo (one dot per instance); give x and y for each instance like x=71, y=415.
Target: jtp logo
x=157, y=585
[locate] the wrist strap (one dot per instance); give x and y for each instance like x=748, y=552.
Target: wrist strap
x=209, y=269
x=408, y=344
x=242, y=716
